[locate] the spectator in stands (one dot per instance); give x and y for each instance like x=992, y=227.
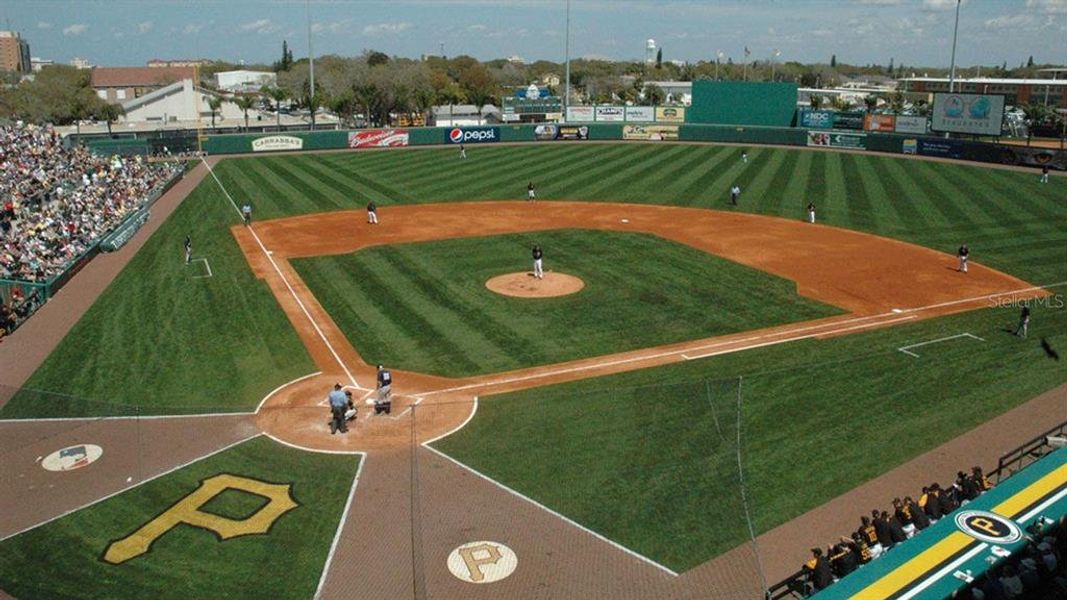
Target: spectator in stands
x=1010, y=582
x=57, y=202
x=818, y=570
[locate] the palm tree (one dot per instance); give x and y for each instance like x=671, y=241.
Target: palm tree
x=479, y=98
x=313, y=102
x=214, y=103
x=816, y=102
x=424, y=99
x=109, y=113
x=871, y=101
x=276, y=94
x=244, y=103
x=452, y=95
x=654, y=95
x=368, y=96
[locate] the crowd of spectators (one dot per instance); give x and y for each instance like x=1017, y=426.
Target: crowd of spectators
x=885, y=530
x=1038, y=571
x=56, y=202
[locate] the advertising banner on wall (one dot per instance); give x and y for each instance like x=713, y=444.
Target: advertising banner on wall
x=580, y=113
x=941, y=147
x=827, y=139
x=277, y=142
x=546, y=132
x=910, y=146
x=378, y=138
x=979, y=114
x=1033, y=157
x=650, y=132
x=881, y=123
x=670, y=114
x=611, y=113
x=572, y=132
x=853, y=120
x=472, y=135
x=640, y=114
x=912, y=125
x=816, y=119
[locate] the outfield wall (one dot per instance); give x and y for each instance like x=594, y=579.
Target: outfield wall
x=893, y=143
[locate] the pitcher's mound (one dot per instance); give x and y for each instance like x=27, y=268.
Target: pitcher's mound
x=525, y=285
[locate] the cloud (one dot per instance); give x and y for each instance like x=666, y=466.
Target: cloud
x=192, y=28
x=1005, y=21
x=260, y=26
x=386, y=28
x=1048, y=6
x=880, y=2
x=144, y=27
x=43, y=25
x=75, y=29
x=939, y=5
x=477, y=27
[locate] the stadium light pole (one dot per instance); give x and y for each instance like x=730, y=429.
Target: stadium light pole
x=567, y=59
x=774, y=62
x=718, y=57
x=311, y=61
x=952, y=67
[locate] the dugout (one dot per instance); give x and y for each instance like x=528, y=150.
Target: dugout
x=760, y=103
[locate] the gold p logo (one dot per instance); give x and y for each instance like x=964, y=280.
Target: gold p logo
x=482, y=562
x=187, y=510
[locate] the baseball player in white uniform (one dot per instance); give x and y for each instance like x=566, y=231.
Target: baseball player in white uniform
x=537, y=256
x=963, y=254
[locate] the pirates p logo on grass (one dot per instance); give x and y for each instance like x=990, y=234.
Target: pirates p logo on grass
x=187, y=510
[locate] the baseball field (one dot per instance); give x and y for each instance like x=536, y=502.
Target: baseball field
x=723, y=371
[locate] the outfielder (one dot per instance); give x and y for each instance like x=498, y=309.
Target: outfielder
x=462, y=151
x=537, y=256
x=744, y=157
x=811, y=212
x=735, y=192
x=246, y=213
x=531, y=193
x=372, y=213
x=963, y=254
x=188, y=249
x=1044, y=174
x=384, y=403
x=1024, y=322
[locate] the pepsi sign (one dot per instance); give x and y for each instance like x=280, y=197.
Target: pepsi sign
x=472, y=135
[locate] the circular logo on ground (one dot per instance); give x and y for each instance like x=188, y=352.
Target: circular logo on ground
x=988, y=527
x=72, y=457
x=482, y=562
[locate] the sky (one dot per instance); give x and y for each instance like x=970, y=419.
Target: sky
x=912, y=32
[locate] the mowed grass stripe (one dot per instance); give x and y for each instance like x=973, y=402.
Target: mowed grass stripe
x=267, y=199
x=565, y=181
x=1022, y=197
x=771, y=186
x=633, y=165
x=877, y=186
x=860, y=203
x=837, y=191
x=905, y=191
x=689, y=185
x=508, y=177
x=322, y=197
x=716, y=188
x=352, y=188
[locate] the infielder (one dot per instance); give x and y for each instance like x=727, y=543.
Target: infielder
x=963, y=254
x=531, y=193
x=384, y=403
x=811, y=212
x=188, y=249
x=734, y=193
x=1024, y=322
x=537, y=256
x=372, y=213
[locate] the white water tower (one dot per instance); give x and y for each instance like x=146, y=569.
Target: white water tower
x=650, y=51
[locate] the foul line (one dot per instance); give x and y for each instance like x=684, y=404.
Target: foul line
x=139, y=483
x=270, y=258
x=340, y=527
x=474, y=409
x=550, y=511
x=206, y=266
x=125, y=418
x=907, y=349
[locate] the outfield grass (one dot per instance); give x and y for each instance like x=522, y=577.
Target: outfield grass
x=424, y=307
x=1011, y=221
x=646, y=462
x=159, y=340
x=63, y=558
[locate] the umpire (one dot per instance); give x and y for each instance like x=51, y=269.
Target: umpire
x=338, y=405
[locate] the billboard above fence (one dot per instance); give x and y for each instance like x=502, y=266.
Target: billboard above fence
x=277, y=142
x=978, y=114
x=378, y=138
x=912, y=125
x=816, y=119
x=472, y=135
x=580, y=113
x=881, y=123
x=640, y=114
x=611, y=113
x=650, y=132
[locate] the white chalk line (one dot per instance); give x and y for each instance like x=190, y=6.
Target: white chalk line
x=565, y=519
x=207, y=266
x=1041, y=507
x=125, y=418
x=139, y=483
x=340, y=528
x=284, y=385
x=285, y=280
x=907, y=349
